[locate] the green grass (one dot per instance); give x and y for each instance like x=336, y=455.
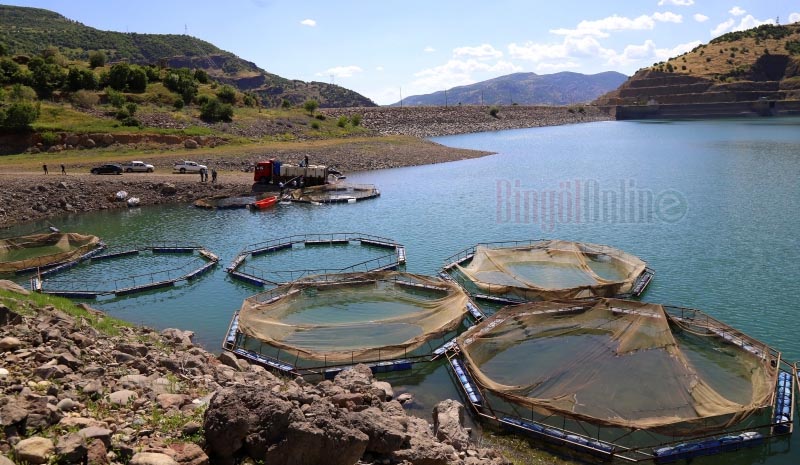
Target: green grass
x=29, y=304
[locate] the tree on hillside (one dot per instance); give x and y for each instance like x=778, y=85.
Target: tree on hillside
x=118, y=76
x=310, y=106
x=18, y=115
x=227, y=94
x=3, y=50
x=78, y=79
x=45, y=77
x=137, y=79
x=214, y=110
x=97, y=59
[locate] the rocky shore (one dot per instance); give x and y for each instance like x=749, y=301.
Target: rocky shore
x=442, y=121
x=80, y=388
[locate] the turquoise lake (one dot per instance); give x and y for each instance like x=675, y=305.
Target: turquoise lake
x=712, y=206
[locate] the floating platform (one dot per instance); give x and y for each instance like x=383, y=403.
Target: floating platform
x=127, y=285
x=614, y=443
x=240, y=270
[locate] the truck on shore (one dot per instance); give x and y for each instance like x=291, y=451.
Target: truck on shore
x=275, y=172
x=189, y=167
x=138, y=167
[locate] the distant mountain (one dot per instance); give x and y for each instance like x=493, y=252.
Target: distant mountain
x=28, y=31
x=525, y=89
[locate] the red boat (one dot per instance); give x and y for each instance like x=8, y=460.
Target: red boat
x=265, y=203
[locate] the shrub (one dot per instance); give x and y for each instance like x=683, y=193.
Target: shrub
x=3, y=50
x=137, y=79
x=356, y=120
x=214, y=110
x=131, y=107
x=201, y=76
x=310, y=106
x=50, y=138
x=45, y=77
x=20, y=115
x=202, y=99
x=342, y=121
x=97, y=59
x=78, y=79
x=9, y=71
x=321, y=117
x=227, y=94
x=249, y=100
x=285, y=104
x=21, y=93
x=84, y=99
x=153, y=73
x=178, y=105
x=494, y=111
x=122, y=114
x=131, y=121
x=116, y=99
x=118, y=76
x=314, y=125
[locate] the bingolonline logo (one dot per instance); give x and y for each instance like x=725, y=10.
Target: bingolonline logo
x=588, y=202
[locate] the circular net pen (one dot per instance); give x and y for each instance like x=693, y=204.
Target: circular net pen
x=625, y=378
x=334, y=193
x=285, y=259
x=27, y=254
x=322, y=324
x=514, y=272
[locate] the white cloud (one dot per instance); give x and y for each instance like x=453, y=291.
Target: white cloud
x=794, y=17
x=482, y=52
x=648, y=52
x=571, y=47
x=308, y=22
x=737, y=11
x=667, y=17
x=676, y=2
x=429, y=49
x=556, y=67
x=458, y=73
x=341, y=71
x=723, y=27
x=379, y=68
x=599, y=28
x=749, y=22
x=700, y=18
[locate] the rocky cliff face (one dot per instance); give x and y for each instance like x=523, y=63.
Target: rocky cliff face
x=76, y=390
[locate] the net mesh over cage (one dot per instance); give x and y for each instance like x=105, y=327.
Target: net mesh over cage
x=356, y=315
x=618, y=363
x=25, y=252
x=554, y=270
x=334, y=193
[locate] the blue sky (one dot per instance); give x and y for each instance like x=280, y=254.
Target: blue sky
x=382, y=47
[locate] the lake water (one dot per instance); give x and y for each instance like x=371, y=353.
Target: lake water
x=712, y=206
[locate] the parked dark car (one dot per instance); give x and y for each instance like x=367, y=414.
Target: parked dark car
x=108, y=168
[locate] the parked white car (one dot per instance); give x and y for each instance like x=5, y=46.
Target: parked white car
x=189, y=167
x=138, y=166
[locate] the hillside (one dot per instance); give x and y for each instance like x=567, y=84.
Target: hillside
x=28, y=31
x=752, y=72
x=525, y=89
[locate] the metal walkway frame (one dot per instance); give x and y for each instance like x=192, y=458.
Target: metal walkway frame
x=240, y=270
x=203, y=262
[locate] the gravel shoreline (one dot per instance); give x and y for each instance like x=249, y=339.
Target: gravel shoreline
x=426, y=122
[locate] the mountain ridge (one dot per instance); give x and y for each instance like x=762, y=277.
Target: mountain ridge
x=563, y=88
x=28, y=31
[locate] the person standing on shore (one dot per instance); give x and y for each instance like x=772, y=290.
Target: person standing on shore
x=63, y=169
x=213, y=176
x=202, y=175
x=44, y=167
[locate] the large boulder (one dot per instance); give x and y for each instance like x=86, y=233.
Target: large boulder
x=34, y=450
x=448, y=424
x=245, y=418
x=9, y=343
x=322, y=441
x=386, y=434
x=13, y=287
x=152, y=458
x=8, y=316
x=355, y=379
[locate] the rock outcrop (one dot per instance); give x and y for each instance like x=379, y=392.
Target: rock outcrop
x=73, y=393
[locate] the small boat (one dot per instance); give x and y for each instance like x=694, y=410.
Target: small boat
x=264, y=203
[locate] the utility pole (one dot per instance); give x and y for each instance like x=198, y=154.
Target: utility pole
x=401, y=96
x=445, y=98
x=481, y=97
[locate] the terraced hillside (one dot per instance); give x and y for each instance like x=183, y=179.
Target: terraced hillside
x=752, y=72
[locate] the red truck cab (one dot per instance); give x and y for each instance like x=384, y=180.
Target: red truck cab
x=264, y=171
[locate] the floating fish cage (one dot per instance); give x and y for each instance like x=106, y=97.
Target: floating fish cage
x=621, y=379
x=107, y=274
x=36, y=252
x=520, y=271
x=334, y=193
x=280, y=253
x=323, y=324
